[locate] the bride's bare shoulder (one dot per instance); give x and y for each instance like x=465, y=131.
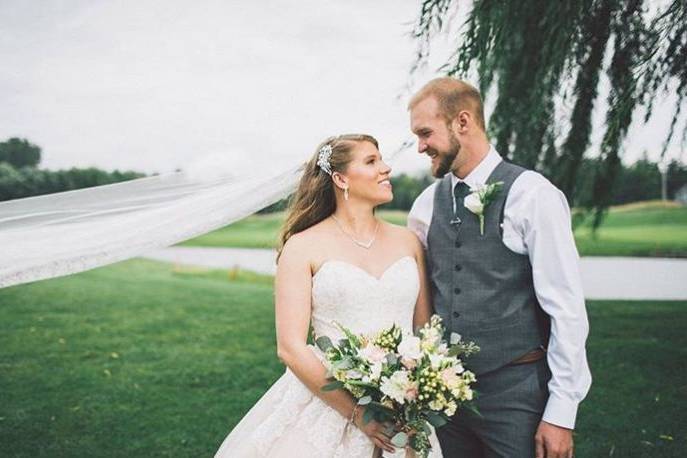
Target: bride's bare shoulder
x=308, y=242
x=315, y=233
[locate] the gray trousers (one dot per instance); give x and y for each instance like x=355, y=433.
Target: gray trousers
x=510, y=402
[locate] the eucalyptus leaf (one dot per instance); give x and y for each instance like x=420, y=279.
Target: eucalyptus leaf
x=324, y=343
x=436, y=420
x=365, y=400
x=352, y=338
x=455, y=350
x=361, y=383
x=343, y=364
x=368, y=416
x=400, y=439
x=382, y=408
x=335, y=385
x=473, y=408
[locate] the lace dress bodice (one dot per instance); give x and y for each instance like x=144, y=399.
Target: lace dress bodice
x=347, y=294
x=289, y=420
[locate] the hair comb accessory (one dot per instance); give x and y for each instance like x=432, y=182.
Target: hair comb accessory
x=323, y=158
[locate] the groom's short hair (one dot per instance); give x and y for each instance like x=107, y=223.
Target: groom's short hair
x=453, y=96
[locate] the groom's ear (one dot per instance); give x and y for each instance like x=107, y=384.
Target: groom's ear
x=461, y=122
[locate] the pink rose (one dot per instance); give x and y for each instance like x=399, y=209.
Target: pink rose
x=411, y=392
x=372, y=354
x=449, y=376
x=409, y=363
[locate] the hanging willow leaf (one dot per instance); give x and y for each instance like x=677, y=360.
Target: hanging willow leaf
x=592, y=52
x=545, y=60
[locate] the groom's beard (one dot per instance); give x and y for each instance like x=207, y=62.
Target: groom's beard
x=446, y=159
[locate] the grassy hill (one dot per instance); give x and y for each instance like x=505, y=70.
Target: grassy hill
x=142, y=359
x=652, y=228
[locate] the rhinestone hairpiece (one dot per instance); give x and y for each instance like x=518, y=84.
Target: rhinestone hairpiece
x=323, y=158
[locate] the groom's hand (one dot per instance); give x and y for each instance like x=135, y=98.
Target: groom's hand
x=552, y=441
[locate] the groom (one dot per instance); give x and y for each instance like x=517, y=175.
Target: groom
x=512, y=286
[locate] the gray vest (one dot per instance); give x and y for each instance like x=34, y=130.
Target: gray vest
x=480, y=288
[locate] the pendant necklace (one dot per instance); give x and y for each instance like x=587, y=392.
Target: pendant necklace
x=358, y=242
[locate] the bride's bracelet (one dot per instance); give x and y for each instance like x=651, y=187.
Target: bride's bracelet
x=352, y=419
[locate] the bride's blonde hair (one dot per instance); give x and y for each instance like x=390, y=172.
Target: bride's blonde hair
x=315, y=198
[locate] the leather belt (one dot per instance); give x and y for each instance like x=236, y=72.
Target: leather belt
x=530, y=357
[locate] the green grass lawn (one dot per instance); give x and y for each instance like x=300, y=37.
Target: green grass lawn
x=645, y=229
x=142, y=359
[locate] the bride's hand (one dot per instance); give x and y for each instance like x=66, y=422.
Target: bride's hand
x=374, y=430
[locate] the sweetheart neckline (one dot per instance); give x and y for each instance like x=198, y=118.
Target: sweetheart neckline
x=357, y=267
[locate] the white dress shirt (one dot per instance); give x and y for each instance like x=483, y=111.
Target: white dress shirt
x=537, y=223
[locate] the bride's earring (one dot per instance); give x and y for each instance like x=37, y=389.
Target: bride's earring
x=345, y=193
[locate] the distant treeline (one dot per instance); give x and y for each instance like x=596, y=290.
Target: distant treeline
x=637, y=182
x=27, y=181
x=21, y=177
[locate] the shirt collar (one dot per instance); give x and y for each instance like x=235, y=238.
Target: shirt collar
x=480, y=173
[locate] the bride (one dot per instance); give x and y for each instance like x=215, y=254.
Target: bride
x=337, y=262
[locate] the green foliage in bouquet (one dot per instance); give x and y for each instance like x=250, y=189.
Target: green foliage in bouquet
x=409, y=381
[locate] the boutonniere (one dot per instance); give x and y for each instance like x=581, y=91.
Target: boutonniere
x=480, y=198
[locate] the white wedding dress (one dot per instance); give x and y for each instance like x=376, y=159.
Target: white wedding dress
x=289, y=420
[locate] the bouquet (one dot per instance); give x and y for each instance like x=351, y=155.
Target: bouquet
x=411, y=381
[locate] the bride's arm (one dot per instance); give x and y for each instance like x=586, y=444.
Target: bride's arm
x=293, y=285
x=423, y=306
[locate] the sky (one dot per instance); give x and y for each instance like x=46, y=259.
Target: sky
x=155, y=86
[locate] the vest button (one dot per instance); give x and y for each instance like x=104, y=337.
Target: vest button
x=456, y=290
x=458, y=244
x=458, y=267
x=456, y=314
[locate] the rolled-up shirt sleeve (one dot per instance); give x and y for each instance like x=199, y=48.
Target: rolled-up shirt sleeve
x=420, y=214
x=547, y=233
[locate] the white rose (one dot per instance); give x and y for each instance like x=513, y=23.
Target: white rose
x=468, y=394
x=376, y=371
x=435, y=405
x=409, y=348
x=442, y=349
x=430, y=338
x=451, y=408
x=397, y=386
x=435, y=360
x=473, y=203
